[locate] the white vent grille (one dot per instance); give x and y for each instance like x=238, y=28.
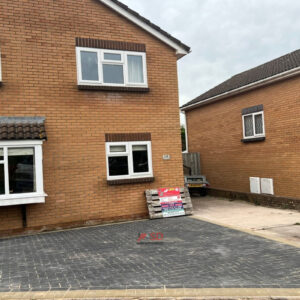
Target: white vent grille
x=255, y=185
x=267, y=186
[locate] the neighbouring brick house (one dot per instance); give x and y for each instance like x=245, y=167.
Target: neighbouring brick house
x=247, y=130
x=89, y=107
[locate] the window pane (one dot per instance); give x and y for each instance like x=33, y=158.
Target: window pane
x=248, y=126
x=89, y=65
x=118, y=166
x=139, y=147
x=113, y=74
x=2, y=184
x=259, y=124
x=112, y=56
x=21, y=170
x=117, y=148
x=140, y=159
x=1, y=154
x=135, y=69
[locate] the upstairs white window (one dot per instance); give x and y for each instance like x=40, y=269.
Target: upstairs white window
x=101, y=67
x=126, y=160
x=253, y=125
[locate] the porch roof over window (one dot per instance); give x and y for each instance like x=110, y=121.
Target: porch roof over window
x=22, y=128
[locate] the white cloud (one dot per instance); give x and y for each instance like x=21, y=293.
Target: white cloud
x=226, y=36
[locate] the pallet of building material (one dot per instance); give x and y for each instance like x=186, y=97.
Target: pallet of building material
x=154, y=204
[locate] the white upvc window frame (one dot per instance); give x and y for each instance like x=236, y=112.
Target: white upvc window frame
x=101, y=61
x=128, y=153
x=255, y=135
x=112, y=62
x=24, y=198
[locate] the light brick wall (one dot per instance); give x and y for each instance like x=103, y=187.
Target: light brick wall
x=216, y=131
x=37, y=40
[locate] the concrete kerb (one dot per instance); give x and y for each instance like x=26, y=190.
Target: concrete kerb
x=204, y=293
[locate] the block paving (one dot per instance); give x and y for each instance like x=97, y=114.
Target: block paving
x=193, y=254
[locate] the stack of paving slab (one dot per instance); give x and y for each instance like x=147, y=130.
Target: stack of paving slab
x=154, y=206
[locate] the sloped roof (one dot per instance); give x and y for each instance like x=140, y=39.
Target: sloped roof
x=274, y=67
x=22, y=128
x=136, y=16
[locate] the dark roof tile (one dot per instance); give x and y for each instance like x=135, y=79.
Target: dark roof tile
x=22, y=128
x=274, y=67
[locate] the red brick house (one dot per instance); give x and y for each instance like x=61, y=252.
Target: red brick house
x=247, y=130
x=89, y=108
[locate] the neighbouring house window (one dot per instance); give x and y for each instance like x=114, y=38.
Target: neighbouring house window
x=127, y=160
x=21, y=172
x=253, y=125
x=111, y=67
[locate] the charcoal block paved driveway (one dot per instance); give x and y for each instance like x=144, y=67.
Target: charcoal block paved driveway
x=193, y=254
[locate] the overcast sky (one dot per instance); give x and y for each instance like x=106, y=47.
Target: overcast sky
x=226, y=36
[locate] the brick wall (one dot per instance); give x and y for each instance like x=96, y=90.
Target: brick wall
x=215, y=131
x=37, y=40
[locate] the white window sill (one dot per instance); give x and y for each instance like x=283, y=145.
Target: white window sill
x=22, y=199
x=125, y=177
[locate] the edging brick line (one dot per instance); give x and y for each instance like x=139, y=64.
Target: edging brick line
x=258, y=199
x=204, y=294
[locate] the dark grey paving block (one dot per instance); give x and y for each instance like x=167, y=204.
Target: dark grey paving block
x=194, y=254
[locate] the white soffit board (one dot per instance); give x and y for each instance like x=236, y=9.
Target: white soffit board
x=255, y=185
x=267, y=186
x=179, y=50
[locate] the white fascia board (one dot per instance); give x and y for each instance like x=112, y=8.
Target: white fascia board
x=179, y=50
x=245, y=88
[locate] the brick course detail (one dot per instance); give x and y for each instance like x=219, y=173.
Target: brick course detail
x=112, y=45
x=113, y=88
x=39, y=76
x=127, y=137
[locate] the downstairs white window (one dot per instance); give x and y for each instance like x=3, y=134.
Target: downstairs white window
x=21, y=173
x=99, y=67
x=127, y=160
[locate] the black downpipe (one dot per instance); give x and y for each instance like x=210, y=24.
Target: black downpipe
x=24, y=216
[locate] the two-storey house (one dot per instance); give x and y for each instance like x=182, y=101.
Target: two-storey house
x=89, y=110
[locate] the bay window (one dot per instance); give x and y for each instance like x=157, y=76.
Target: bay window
x=126, y=160
x=99, y=67
x=21, y=172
